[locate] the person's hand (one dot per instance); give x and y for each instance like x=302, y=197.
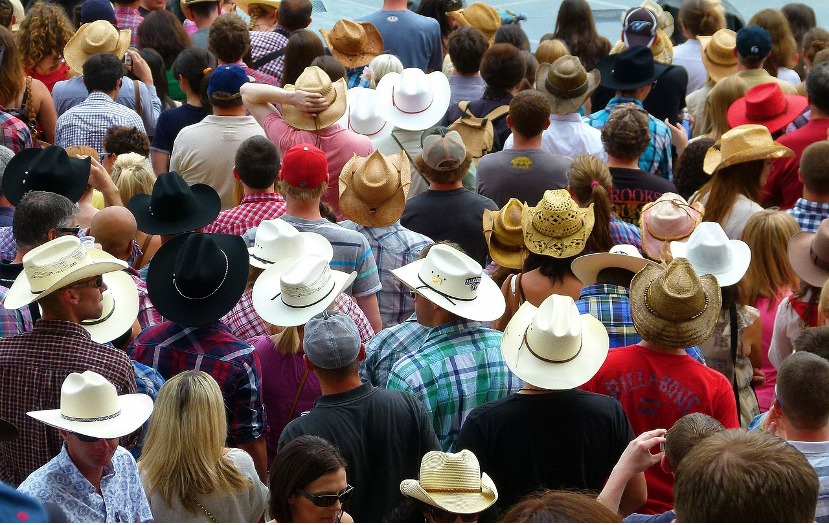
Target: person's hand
x=140, y=68
x=758, y=377
x=679, y=138
x=99, y=179
x=637, y=456
x=309, y=103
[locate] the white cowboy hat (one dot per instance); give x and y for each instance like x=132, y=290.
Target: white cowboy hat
x=292, y=291
x=711, y=252
x=56, y=264
x=90, y=405
x=277, y=240
x=361, y=114
x=455, y=282
x=452, y=482
x=413, y=100
x=120, y=309
x=587, y=267
x=553, y=346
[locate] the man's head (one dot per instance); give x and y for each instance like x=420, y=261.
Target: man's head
x=229, y=38
x=467, y=46
x=114, y=228
x=257, y=163
x=444, y=159
x=119, y=140
x=687, y=432
x=94, y=10
x=817, y=87
x=103, y=72
x=625, y=135
x=199, y=11
x=803, y=391
x=304, y=173
x=814, y=168
x=332, y=346
x=503, y=67
x=294, y=14
x=42, y=216
x=813, y=340
x=753, y=46
x=224, y=86
x=529, y=113
x=744, y=476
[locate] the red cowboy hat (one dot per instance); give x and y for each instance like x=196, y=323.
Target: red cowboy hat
x=767, y=105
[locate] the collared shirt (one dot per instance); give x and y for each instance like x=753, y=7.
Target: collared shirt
x=392, y=246
x=463, y=87
x=258, y=78
x=149, y=382
x=817, y=452
x=457, y=368
x=33, y=366
x=570, y=136
x=264, y=42
x=171, y=348
x=128, y=18
x=622, y=232
x=122, y=497
x=16, y=133
x=253, y=209
x=13, y=322
x=86, y=123
x=657, y=157
x=610, y=304
x=388, y=347
x=809, y=214
x=147, y=314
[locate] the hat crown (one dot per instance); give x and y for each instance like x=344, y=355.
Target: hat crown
x=554, y=334
x=443, y=151
x=50, y=169
x=348, y=36
x=720, y=48
x=628, y=250
x=451, y=273
x=377, y=179
x=445, y=472
x=819, y=250
x=744, y=138
x=635, y=65
x=277, y=240
x=100, y=37
x=46, y=264
x=413, y=93
x=306, y=282
x=483, y=17
x=315, y=80
x=708, y=249
x=765, y=101
x=676, y=295
x=671, y=218
x=88, y=397
x=362, y=112
x=172, y=199
x=506, y=224
x=201, y=267
x=567, y=78
x=557, y=215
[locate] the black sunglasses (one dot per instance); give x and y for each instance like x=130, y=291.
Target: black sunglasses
x=444, y=516
x=85, y=438
x=71, y=230
x=97, y=282
x=327, y=500
x=412, y=293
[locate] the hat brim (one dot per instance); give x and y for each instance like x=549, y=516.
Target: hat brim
x=740, y=258
x=566, y=106
x=554, y=376
x=716, y=71
x=373, y=47
x=195, y=312
x=347, y=122
x=607, y=64
x=135, y=410
x=505, y=256
x=456, y=502
x=74, y=55
x=120, y=309
x=587, y=267
x=796, y=105
x=714, y=162
x=560, y=247
x=244, y=5
x=651, y=246
x=439, y=87
x=14, y=177
x=329, y=116
x=313, y=243
x=385, y=213
x=210, y=204
x=800, y=246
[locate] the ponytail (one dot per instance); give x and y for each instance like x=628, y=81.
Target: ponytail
x=590, y=181
x=195, y=65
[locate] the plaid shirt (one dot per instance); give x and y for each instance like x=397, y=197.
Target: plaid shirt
x=458, y=368
x=393, y=246
x=809, y=214
x=147, y=314
x=128, y=18
x=622, y=232
x=32, y=369
x=610, y=304
x=171, y=348
x=16, y=134
x=253, y=209
x=149, y=382
x=13, y=322
x=657, y=158
x=264, y=42
x=388, y=347
x=258, y=78
x=86, y=123
x=355, y=77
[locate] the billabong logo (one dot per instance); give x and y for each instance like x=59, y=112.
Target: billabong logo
x=473, y=283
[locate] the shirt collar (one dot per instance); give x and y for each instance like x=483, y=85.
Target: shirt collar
x=812, y=206
x=497, y=94
x=345, y=397
x=57, y=325
x=622, y=100
x=262, y=197
x=571, y=117
x=609, y=290
x=453, y=327
x=99, y=96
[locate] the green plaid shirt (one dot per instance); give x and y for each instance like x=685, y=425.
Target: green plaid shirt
x=457, y=368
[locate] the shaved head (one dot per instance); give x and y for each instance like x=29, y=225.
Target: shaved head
x=114, y=227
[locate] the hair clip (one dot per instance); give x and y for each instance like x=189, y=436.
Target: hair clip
x=206, y=70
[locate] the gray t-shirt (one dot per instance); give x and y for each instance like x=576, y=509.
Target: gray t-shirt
x=199, y=38
x=521, y=173
x=413, y=38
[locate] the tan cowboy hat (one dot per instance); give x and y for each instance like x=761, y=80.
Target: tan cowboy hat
x=587, y=267
x=374, y=189
x=95, y=37
x=504, y=235
x=354, y=44
x=809, y=255
x=244, y=5
x=743, y=144
x=480, y=16
x=452, y=482
x=668, y=218
x=315, y=80
x=566, y=84
x=557, y=227
x=673, y=306
x=718, y=54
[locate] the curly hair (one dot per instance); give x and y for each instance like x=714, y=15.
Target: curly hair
x=45, y=30
x=688, y=174
x=229, y=38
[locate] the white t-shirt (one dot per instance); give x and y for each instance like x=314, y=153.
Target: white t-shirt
x=689, y=55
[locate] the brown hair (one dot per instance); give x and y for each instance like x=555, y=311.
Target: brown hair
x=803, y=388
x=532, y=68
x=529, y=113
x=502, y=66
x=302, y=48
x=814, y=41
x=44, y=30
x=123, y=139
x=767, y=233
x=814, y=340
x=689, y=430
x=548, y=51
x=584, y=171
x=576, y=27
x=558, y=506
x=720, y=98
x=625, y=135
x=783, y=46
x=443, y=177
x=726, y=185
x=814, y=167
x=466, y=47
x=11, y=70
x=162, y=31
x=702, y=17
x=688, y=173
x=229, y=38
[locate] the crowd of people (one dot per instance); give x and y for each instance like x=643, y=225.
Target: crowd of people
x=410, y=269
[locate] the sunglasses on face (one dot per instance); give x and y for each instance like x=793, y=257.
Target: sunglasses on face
x=70, y=231
x=85, y=438
x=444, y=516
x=97, y=282
x=327, y=500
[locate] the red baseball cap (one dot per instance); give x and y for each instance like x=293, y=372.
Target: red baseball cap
x=304, y=166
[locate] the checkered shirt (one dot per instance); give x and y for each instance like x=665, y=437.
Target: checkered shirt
x=32, y=369
x=393, y=246
x=610, y=304
x=13, y=322
x=16, y=134
x=253, y=209
x=809, y=214
x=657, y=158
x=147, y=314
x=264, y=42
x=258, y=78
x=128, y=18
x=388, y=347
x=355, y=77
x=458, y=367
x=622, y=232
x=86, y=123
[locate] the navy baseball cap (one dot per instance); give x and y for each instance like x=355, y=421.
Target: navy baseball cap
x=753, y=42
x=640, y=27
x=94, y=10
x=227, y=80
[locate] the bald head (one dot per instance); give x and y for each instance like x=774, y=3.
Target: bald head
x=114, y=227
x=294, y=14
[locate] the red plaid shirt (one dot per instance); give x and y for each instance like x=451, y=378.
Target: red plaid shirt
x=253, y=209
x=147, y=314
x=259, y=78
x=16, y=134
x=128, y=18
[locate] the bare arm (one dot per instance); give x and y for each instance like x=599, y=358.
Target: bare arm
x=259, y=453
x=625, y=490
x=752, y=347
x=161, y=162
x=101, y=181
x=259, y=99
x=368, y=304
x=44, y=109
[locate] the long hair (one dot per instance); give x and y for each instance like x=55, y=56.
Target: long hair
x=44, y=30
x=259, y=10
x=767, y=233
x=162, y=31
x=722, y=95
x=585, y=170
x=302, y=48
x=194, y=64
x=156, y=64
x=11, y=70
x=783, y=45
x=553, y=268
x=577, y=28
x=183, y=455
x=726, y=186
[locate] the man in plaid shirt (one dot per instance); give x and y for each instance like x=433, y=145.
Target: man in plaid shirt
x=292, y=15
x=813, y=206
x=127, y=16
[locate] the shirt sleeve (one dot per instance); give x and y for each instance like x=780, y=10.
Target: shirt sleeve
x=471, y=438
x=161, y=139
x=781, y=346
x=368, y=280
x=725, y=409
x=150, y=106
x=248, y=422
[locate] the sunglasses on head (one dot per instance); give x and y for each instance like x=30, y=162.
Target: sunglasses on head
x=70, y=230
x=444, y=516
x=85, y=438
x=327, y=500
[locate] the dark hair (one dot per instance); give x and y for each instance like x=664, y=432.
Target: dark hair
x=532, y=68
x=529, y=112
x=553, y=268
x=727, y=184
x=257, y=162
x=123, y=139
x=689, y=430
x=294, y=14
x=814, y=167
x=813, y=340
x=297, y=465
x=615, y=276
x=817, y=86
x=730, y=296
x=162, y=31
x=229, y=38
x=502, y=66
x=702, y=17
x=688, y=174
x=203, y=9
x=332, y=67
x=577, y=28
x=37, y=213
x=156, y=64
x=803, y=388
x=436, y=9
x=466, y=47
x=302, y=48
x=191, y=65
x=626, y=135
x=801, y=19
x=101, y=72
x=512, y=34
x=558, y=506
x=6, y=13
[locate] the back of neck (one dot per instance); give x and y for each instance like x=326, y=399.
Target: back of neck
x=395, y=5
x=303, y=210
x=519, y=142
x=444, y=187
x=662, y=349
x=616, y=162
x=328, y=387
x=811, y=436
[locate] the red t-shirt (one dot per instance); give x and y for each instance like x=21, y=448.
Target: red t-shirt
x=657, y=389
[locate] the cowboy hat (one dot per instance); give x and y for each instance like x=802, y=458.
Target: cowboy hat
x=244, y=5
x=767, y=105
x=47, y=169
x=291, y=292
x=553, y=346
x=413, y=100
x=743, y=144
x=8, y=432
x=315, y=80
x=664, y=19
x=587, y=267
x=711, y=252
x=196, y=278
x=566, y=84
x=95, y=37
x=361, y=114
x=175, y=207
x=557, y=227
x=120, y=309
x=479, y=15
x=455, y=282
x=631, y=69
x=668, y=218
x=674, y=307
x=452, y=482
x=19, y=14
x=55, y=264
x=718, y=54
x=354, y=44
x=504, y=236
x=809, y=255
x=276, y=240
x=373, y=189
x=90, y=405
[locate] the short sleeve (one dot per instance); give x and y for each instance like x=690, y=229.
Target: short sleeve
x=162, y=139
x=368, y=280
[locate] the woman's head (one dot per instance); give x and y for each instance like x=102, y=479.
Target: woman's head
x=157, y=69
x=194, y=64
x=162, y=31
x=728, y=184
x=701, y=17
x=332, y=67
x=783, y=45
x=688, y=173
x=589, y=181
x=548, y=51
x=574, y=18
x=557, y=506
x=512, y=34
x=814, y=41
x=45, y=30
x=381, y=65
x=11, y=70
x=132, y=175
x=260, y=12
x=801, y=19
x=767, y=234
x=722, y=95
x=302, y=48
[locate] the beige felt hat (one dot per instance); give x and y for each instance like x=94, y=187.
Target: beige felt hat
x=480, y=16
x=315, y=80
x=18, y=12
x=95, y=37
x=373, y=189
x=504, y=235
x=718, y=54
x=354, y=44
x=557, y=227
x=624, y=256
x=566, y=83
x=809, y=255
x=743, y=144
x=452, y=482
x=245, y=5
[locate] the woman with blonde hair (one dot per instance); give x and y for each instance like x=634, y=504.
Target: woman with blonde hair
x=187, y=472
x=380, y=66
x=133, y=175
x=697, y=18
x=783, y=45
x=548, y=51
x=722, y=95
x=41, y=38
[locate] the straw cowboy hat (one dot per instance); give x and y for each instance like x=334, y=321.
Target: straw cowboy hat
x=557, y=227
x=315, y=80
x=767, y=105
x=95, y=37
x=276, y=240
x=718, y=54
x=361, y=115
x=566, y=83
x=664, y=19
x=668, y=218
x=120, y=309
x=553, y=346
x=480, y=16
x=47, y=169
x=452, y=482
x=673, y=306
x=175, y=207
x=624, y=256
x=743, y=144
x=354, y=44
x=245, y=5
x=504, y=235
x=809, y=255
x=413, y=100
x=55, y=264
x=90, y=405
x=374, y=189
x=711, y=252
x=455, y=282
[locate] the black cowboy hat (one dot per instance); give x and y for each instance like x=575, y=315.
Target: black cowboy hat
x=8, y=431
x=174, y=207
x=48, y=169
x=632, y=68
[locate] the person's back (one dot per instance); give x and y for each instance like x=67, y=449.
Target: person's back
x=414, y=39
x=753, y=48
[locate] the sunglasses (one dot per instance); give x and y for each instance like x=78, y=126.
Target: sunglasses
x=85, y=438
x=444, y=516
x=327, y=500
x=97, y=282
x=70, y=231
x=412, y=294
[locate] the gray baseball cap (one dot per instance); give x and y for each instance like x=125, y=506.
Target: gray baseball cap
x=331, y=340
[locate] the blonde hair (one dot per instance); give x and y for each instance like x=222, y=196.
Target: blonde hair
x=382, y=65
x=549, y=51
x=722, y=95
x=257, y=10
x=300, y=194
x=767, y=233
x=183, y=456
x=584, y=171
x=132, y=175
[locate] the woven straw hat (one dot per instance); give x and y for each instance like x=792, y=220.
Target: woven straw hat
x=480, y=16
x=743, y=144
x=668, y=218
x=95, y=37
x=373, y=189
x=673, y=306
x=504, y=235
x=315, y=80
x=354, y=44
x=245, y=5
x=664, y=19
x=452, y=482
x=809, y=255
x=566, y=83
x=557, y=226
x=718, y=54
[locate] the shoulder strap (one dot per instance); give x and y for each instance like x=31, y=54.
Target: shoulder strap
x=138, y=108
x=521, y=289
x=733, y=315
x=296, y=397
x=409, y=157
x=497, y=112
x=273, y=55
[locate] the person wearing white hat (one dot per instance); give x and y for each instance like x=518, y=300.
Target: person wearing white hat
x=93, y=479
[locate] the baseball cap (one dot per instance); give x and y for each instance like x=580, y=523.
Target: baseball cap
x=226, y=79
x=93, y=10
x=640, y=27
x=443, y=149
x=753, y=42
x=304, y=166
x=331, y=340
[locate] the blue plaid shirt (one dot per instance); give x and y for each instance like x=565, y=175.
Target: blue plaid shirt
x=354, y=78
x=622, y=232
x=809, y=214
x=657, y=158
x=149, y=382
x=388, y=346
x=86, y=123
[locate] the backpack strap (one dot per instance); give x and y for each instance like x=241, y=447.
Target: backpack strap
x=497, y=113
x=409, y=157
x=273, y=55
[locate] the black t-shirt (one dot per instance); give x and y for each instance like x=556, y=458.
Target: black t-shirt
x=451, y=215
x=666, y=99
x=632, y=189
x=382, y=434
x=171, y=122
x=566, y=440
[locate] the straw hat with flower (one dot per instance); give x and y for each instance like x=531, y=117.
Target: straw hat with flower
x=504, y=235
x=452, y=482
x=557, y=227
x=743, y=144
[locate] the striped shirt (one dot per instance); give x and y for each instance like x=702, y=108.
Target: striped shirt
x=818, y=455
